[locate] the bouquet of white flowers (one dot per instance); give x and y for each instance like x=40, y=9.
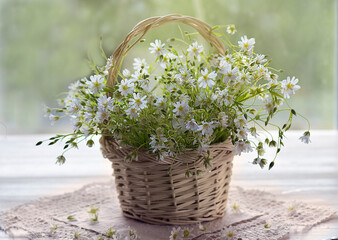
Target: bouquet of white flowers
x=187, y=98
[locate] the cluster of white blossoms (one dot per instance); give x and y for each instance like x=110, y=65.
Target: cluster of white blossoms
x=184, y=99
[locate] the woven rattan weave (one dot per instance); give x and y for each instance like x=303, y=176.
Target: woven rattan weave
x=149, y=193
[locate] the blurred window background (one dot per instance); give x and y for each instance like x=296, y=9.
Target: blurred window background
x=46, y=44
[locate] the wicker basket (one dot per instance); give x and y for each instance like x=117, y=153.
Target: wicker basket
x=147, y=191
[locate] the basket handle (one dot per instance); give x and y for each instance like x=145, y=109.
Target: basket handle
x=144, y=26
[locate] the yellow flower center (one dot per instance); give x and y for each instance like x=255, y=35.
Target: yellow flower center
x=125, y=87
x=289, y=86
x=180, y=108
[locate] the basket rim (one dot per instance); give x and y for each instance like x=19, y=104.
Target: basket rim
x=122, y=151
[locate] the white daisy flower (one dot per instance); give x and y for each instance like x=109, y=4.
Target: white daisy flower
x=305, y=138
x=140, y=65
x=132, y=112
x=157, y=48
x=246, y=44
x=242, y=133
x=228, y=233
x=176, y=234
x=138, y=101
x=160, y=102
x=273, y=76
x=184, y=98
x=235, y=208
x=109, y=65
x=292, y=208
x=289, y=86
x=231, y=29
x=242, y=146
x=89, y=116
x=145, y=85
x=157, y=142
x=126, y=73
x=260, y=58
x=192, y=125
x=201, y=227
x=75, y=87
x=105, y=102
x=181, y=108
x=269, y=105
x=74, y=106
x=126, y=87
x=230, y=74
x=53, y=118
x=195, y=50
x=95, y=84
x=223, y=119
x=244, y=78
x=240, y=121
x=76, y=123
x=207, y=79
x=260, y=161
x=261, y=70
x=137, y=76
x=184, y=75
x=46, y=111
x=172, y=88
x=224, y=66
x=207, y=128
x=272, y=83
x=85, y=130
x=102, y=114
x=253, y=132
x=166, y=59
x=186, y=232
x=203, y=147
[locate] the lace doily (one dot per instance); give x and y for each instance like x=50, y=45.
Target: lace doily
x=251, y=214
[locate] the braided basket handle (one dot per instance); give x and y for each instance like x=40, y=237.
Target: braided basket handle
x=144, y=26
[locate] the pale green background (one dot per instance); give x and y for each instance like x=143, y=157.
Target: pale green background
x=44, y=45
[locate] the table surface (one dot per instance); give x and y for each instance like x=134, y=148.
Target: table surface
x=302, y=172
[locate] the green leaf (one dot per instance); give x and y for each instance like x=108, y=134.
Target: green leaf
x=276, y=94
x=271, y=165
x=38, y=143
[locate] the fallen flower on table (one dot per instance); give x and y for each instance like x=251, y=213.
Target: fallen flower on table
x=94, y=214
x=202, y=227
x=186, y=231
x=235, y=208
x=110, y=232
x=228, y=233
x=53, y=227
x=176, y=234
